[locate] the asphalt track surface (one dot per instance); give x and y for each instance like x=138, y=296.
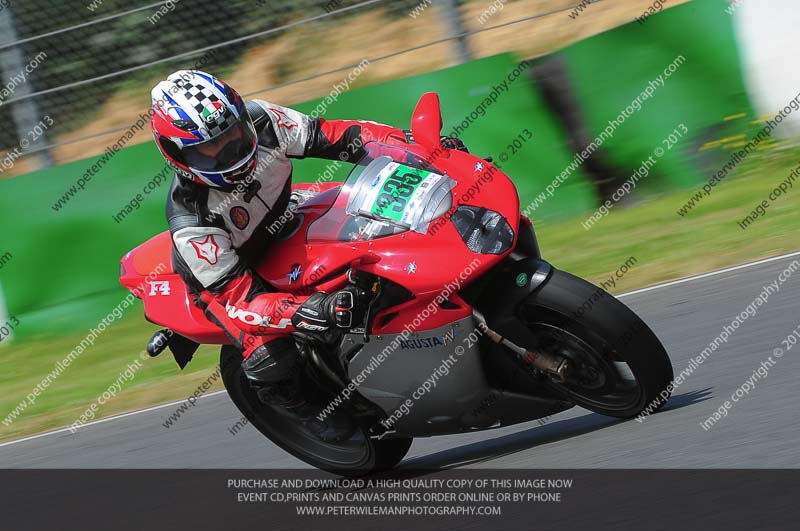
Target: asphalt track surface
x=760, y=430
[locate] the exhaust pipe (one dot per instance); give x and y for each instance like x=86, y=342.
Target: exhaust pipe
x=556, y=367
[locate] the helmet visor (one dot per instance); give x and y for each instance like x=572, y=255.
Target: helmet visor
x=225, y=152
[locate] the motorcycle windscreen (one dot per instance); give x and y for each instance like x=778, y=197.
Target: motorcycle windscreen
x=384, y=196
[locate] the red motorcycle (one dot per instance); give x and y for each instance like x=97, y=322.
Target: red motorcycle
x=467, y=328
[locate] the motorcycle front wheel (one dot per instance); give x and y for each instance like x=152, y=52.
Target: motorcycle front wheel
x=358, y=456
x=618, y=366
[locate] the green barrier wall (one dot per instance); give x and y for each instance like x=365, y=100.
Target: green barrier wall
x=64, y=269
x=611, y=69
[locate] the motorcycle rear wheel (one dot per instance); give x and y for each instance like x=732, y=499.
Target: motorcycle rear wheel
x=620, y=368
x=358, y=456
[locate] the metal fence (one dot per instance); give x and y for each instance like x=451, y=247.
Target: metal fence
x=74, y=73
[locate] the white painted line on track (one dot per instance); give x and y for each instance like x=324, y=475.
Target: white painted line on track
x=709, y=274
x=107, y=419
x=634, y=292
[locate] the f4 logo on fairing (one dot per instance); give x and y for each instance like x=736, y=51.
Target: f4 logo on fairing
x=160, y=287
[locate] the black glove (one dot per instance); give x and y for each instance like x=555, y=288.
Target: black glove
x=453, y=143
x=342, y=309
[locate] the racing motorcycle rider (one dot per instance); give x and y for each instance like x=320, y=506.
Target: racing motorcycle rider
x=232, y=182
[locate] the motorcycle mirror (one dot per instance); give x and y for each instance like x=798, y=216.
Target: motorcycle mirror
x=426, y=123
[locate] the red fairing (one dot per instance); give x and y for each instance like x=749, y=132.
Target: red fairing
x=415, y=315
x=147, y=272
x=434, y=266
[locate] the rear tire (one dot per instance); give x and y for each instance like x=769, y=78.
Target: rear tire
x=587, y=324
x=358, y=456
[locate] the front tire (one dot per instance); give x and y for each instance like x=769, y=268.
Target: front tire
x=358, y=456
x=570, y=317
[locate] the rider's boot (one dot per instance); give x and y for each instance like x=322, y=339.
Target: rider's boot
x=276, y=370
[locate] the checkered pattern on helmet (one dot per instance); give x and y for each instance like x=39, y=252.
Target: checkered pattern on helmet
x=200, y=99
